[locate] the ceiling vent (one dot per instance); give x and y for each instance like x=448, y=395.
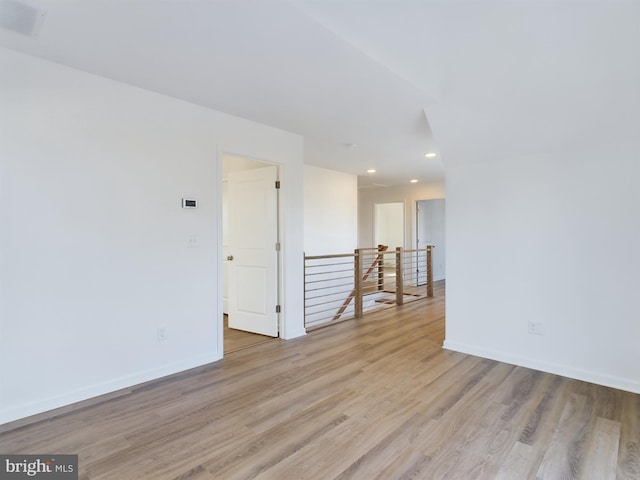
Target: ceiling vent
x=20, y=18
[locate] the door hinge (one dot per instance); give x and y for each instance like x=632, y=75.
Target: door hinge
x=277, y=183
x=278, y=309
x=278, y=247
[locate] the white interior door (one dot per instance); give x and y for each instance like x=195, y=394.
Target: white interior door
x=252, y=256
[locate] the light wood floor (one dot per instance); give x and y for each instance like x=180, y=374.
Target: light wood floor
x=376, y=398
x=235, y=340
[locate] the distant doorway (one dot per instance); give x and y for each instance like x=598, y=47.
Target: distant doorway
x=389, y=225
x=430, y=230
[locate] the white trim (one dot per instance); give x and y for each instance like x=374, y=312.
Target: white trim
x=285, y=257
x=217, y=185
x=293, y=334
x=554, y=368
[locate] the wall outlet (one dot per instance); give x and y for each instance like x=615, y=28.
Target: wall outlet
x=193, y=241
x=162, y=334
x=536, y=328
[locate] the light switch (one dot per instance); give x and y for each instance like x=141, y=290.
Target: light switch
x=189, y=203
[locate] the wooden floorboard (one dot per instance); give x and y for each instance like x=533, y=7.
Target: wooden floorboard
x=235, y=340
x=375, y=398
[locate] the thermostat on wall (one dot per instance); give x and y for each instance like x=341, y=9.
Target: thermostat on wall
x=189, y=203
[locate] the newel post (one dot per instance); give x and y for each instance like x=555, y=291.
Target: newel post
x=429, y=272
x=357, y=287
x=399, y=277
x=380, y=257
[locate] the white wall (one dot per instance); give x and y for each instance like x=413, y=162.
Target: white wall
x=550, y=238
x=330, y=227
x=330, y=211
x=369, y=197
x=93, y=242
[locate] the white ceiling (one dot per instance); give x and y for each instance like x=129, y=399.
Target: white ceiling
x=489, y=78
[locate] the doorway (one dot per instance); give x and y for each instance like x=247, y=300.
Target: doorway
x=430, y=230
x=250, y=230
x=389, y=224
x=389, y=231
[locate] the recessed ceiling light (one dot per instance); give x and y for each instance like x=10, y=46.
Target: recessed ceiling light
x=352, y=145
x=371, y=170
x=415, y=180
x=430, y=155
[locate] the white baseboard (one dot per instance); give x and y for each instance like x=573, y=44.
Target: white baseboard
x=16, y=413
x=294, y=334
x=535, y=364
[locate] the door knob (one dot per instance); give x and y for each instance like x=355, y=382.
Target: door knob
x=230, y=257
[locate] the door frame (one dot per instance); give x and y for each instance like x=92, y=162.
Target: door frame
x=436, y=252
x=402, y=219
x=221, y=152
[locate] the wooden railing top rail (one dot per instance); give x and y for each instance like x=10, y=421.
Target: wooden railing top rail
x=372, y=249
x=323, y=257
x=413, y=250
x=381, y=250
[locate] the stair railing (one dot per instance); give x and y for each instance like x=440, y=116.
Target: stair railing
x=336, y=285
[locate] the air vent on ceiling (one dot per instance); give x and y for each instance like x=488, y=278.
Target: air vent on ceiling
x=20, y=18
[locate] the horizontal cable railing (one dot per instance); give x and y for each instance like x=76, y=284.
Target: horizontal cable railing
x=343, y=286
x=328, y=283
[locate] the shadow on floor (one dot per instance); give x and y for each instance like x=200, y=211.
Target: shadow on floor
x=235, y=340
